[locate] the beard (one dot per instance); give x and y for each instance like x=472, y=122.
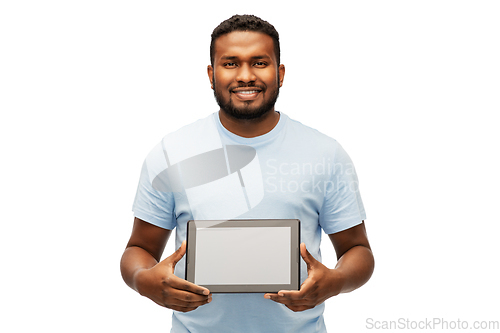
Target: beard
x=248, y=111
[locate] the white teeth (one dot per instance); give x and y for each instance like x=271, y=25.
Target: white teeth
x=247, y=92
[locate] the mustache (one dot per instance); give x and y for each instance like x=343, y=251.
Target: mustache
x=248, y=85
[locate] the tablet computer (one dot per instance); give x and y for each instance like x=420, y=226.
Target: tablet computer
x=244, y=256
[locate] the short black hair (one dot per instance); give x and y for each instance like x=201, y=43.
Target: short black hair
x=245, y=23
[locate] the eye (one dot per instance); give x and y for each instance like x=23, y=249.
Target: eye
x=230, y=64
x=260, y=64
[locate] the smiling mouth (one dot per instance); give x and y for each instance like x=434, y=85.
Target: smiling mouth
x=246, y=94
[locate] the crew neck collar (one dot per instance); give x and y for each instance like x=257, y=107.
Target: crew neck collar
x=257, y=139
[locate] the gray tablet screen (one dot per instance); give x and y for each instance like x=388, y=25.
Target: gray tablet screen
x=244, y=255
x=239, y=254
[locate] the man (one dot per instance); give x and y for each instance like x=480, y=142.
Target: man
x=300, y=174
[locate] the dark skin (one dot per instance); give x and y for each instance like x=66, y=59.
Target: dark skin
x=354, y=268
x=143, y=271
x=243, y=58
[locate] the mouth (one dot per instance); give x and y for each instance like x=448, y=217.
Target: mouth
x=246, y=93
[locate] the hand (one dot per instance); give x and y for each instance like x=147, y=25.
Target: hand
x=164, y=288
x=321, y=284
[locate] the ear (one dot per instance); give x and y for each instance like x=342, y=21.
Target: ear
x=281, y=71
x=210, y=71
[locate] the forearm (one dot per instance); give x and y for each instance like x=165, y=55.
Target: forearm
x=135, y=259
x=356, y=267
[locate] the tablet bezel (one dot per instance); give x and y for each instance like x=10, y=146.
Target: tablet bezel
x=294, y=225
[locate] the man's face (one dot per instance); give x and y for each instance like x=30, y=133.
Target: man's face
x=245, y=75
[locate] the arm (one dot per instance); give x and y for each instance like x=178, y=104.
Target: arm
x=354, y=255
x=142, y=270
x=354, y=268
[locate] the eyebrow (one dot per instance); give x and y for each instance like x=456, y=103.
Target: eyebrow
x=254, y=58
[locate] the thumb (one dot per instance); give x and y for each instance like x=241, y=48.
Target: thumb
x=174, y=258
x=308, y=258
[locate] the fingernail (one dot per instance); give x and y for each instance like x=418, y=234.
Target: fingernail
x=267, y=296
x=280, y=294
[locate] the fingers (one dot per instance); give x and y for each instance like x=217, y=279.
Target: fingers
x=185, y=301
x=176, y=282
x=181, y=308
x=181, y=284
x=161, y=285
x=176, y=293
x=175, y=257
x=301, y=296
x=315, y=289
x=181, y=295
x=308, y=258
x=292, y=301
x=298, y=300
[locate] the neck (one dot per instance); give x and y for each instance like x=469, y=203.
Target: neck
x=250, y=128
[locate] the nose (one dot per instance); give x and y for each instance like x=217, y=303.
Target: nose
x=245, y=74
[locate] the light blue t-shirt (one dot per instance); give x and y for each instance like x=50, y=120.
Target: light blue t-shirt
x=202, y=171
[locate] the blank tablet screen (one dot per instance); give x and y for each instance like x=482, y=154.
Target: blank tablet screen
x=246, y=265
x=243, y=255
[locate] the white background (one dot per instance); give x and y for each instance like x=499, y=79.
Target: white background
x=87, y=88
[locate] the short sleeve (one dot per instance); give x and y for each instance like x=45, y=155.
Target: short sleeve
x=152, y=204
x=342, y=207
